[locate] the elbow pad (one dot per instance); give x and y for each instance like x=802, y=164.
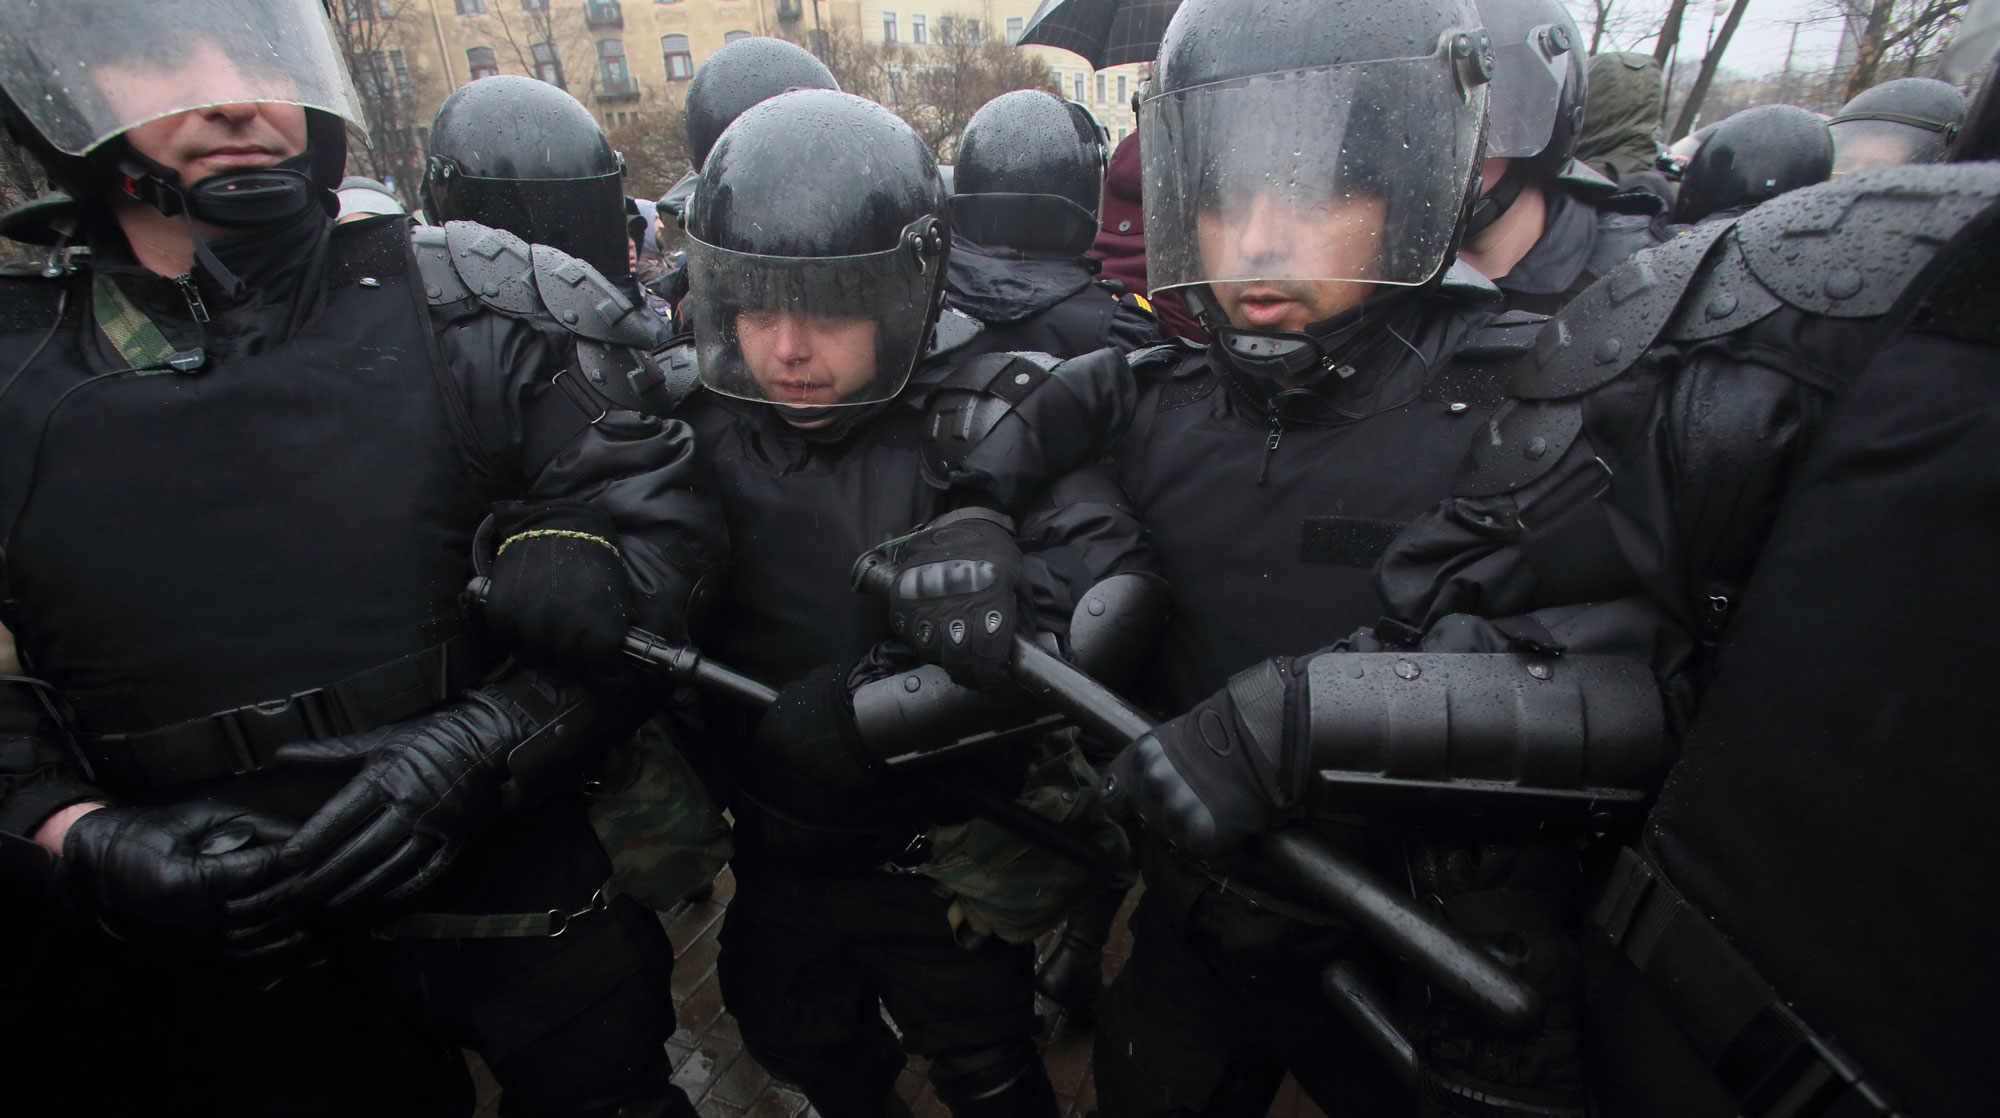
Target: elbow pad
x=1558, y=737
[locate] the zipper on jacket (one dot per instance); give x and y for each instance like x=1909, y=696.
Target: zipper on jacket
x=1270, y=446
x=188, y=291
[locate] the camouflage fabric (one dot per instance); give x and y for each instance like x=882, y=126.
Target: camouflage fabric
x=1005, y=885
x=665, y=835
x=134, y=335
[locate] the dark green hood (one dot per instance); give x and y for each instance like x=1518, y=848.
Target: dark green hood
x=1622, y=115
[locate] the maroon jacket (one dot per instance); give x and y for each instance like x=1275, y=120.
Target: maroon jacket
x=1121, y=241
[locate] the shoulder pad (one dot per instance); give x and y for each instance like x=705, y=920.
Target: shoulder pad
x=1054, y=432
x=581, y=299
x=440, y=279
x=954, y=329
x=496, y=265
x=1508, y=334
x=46, y=221
x=1519, y=443
x=1163, y=359
x=1603, y=331
x=1464, y=283
x=1724, y=299
x=1848, y=248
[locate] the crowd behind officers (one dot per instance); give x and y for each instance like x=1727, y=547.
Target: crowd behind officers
x=1433, y=505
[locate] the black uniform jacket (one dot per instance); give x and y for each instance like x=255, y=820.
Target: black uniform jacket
x=802, y=506
x=1038, y=305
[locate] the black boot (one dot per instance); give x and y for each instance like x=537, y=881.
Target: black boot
x=1073, y=974
x=1008, y=1081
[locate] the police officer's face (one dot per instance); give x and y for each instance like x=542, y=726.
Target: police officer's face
x=195, y=144
x=1269, y=235
x=807, y=360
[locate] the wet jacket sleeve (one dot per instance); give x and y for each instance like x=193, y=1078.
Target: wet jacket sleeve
x=534, y=440
x=39, y=776
x=1075, y=534
x=1700, y=452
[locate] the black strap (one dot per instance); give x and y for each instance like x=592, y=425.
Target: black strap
x=1774, y=1064
x=554, y=418
x=247, y=738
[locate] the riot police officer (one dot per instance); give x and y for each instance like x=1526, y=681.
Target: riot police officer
x=1613, y=526
x=522, y=155
x=1546, y=226
x=817, y=244
x=1030, y=175
x=1753, y=157
x=1309, y=171
x=1907, y=120
x=247, y=453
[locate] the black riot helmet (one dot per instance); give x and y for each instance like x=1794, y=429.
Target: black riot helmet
x=1344, y=134
x=79, y=75
x=521, y=155
x=1030, y=176
x=738, y=76
x=1752, y=157
x=1535, y=112
x=1908, y=120
x=817, y=239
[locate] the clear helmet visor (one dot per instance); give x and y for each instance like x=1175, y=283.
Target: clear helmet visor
x=1346, y=173
x=83, y=71
x=1860, y=144
x=1525, y=93
x=811, y=332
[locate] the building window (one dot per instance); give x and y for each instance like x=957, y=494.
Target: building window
x=971, y=30
x=1013, y=29
x=611, y=70
x=918, y=32
x=729, y=37
x=888, y=27
x=471, y=7
x=680, y=63
x=480, y=61
x=1122, y=133
x=402, y=72
x=1100, y=89
x=895, y=76
x=358, y=10
x=534, y=5
x=548, y=64
x=1078, y=87
x=1122, y=99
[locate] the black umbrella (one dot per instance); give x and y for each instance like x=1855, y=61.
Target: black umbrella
x=1107, y=32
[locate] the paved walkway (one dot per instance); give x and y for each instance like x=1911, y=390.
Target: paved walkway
x=725, y=1082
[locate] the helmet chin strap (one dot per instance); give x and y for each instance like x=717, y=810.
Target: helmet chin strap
x=1494, y=204
x=1307, y=355
x=244, y=199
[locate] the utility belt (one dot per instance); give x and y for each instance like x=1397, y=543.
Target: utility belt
x=247, y=738
x=1770, y=1060
x=494, y=925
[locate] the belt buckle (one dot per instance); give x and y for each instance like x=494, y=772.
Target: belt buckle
x=559, y=920
x=268, y=725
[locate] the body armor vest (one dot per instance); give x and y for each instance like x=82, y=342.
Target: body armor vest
x=268, y=524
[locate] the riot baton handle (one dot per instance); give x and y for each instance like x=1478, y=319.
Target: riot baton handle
x=678, y=662
x=1335, y=882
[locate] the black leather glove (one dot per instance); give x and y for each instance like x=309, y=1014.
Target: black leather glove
x=1219, y=775
x=559, y=593
x=807, y=739
x=184, y=874
x=957, y=598
x=432, y=782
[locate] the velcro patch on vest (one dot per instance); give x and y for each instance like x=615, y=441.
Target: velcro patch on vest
x=1346, y=541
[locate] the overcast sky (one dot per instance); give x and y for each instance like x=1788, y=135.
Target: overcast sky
x=1759, y=45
